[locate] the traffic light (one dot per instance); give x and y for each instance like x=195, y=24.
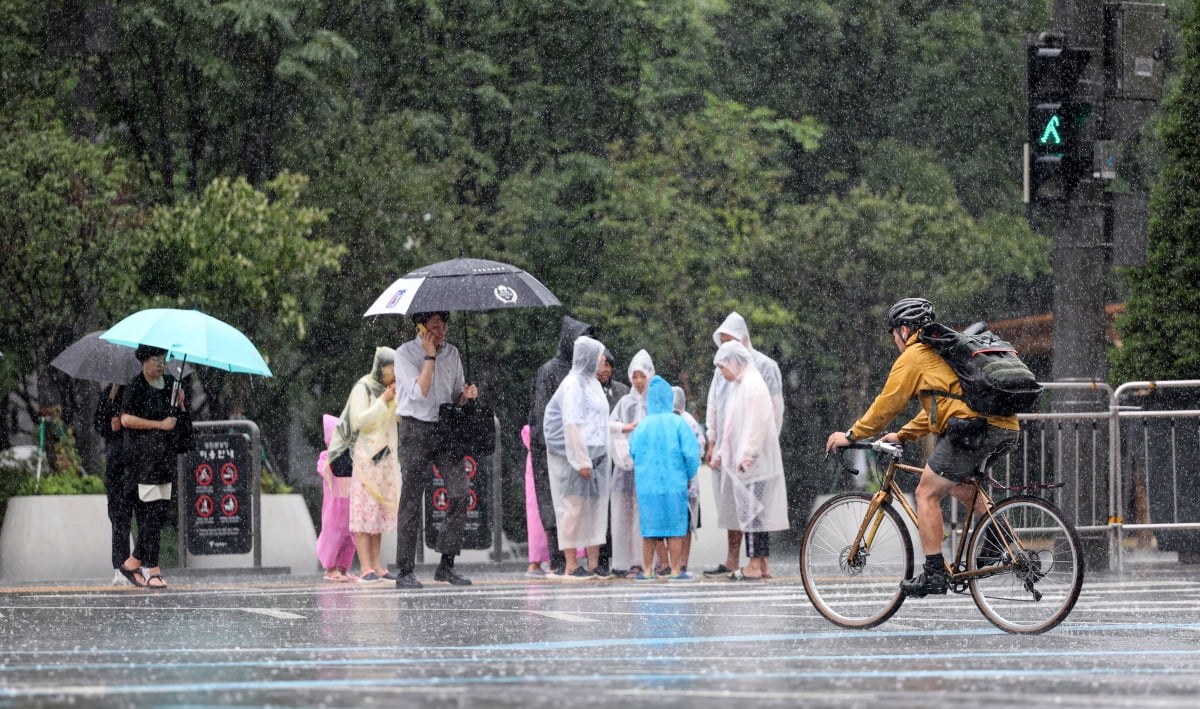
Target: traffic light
x=1057, y=154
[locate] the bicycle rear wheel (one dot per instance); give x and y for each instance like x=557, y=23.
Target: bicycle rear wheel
x=1045, y=566
x=866, y=591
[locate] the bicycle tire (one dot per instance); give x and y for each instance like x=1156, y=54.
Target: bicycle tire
x=1042, y=586
x=867, y=593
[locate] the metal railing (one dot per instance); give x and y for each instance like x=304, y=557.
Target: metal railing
x=1105, y=449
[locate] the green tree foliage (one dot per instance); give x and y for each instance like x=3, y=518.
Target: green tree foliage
x=657, y=165
x=1160, y=340
x=247, y=257
x=64, y=214
x=201, y=89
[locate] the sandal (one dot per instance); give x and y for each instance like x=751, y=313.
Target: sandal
x=134, y=576
x=739, y=576
x=159, y=587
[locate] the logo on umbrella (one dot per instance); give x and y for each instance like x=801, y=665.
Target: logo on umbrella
x=505, y=295
x=396, y=298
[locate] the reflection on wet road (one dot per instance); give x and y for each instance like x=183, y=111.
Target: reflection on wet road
x=1132, y=641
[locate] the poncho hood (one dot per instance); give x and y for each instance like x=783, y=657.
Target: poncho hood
x=585, y=357
x=641, y=362
x=733, y=355
x=571, y=330
x=659, y=397
x=735, y=326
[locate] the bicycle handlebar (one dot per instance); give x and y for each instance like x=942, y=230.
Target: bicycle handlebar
x=893, y=449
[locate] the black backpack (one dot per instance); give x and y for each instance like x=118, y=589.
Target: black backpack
x=994, y=380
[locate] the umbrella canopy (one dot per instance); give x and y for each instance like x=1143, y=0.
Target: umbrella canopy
x=192, y=336
x=462, y=284
x=98, y=360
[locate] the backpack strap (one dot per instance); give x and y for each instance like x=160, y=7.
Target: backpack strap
x=933, y=396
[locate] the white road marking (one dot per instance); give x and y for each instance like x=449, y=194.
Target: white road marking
x=570, y=617
x=274, y=613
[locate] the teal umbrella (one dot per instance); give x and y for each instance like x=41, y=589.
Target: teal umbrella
x=191, y=336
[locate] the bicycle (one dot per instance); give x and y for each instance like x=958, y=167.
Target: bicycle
x=1021, y=562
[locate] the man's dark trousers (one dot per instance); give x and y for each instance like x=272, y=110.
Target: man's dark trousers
x=419, y=448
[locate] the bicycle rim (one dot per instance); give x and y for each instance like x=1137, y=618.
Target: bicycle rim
x=866, y=592
x=1046, y=573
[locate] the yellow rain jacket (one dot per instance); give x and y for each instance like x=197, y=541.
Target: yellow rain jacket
x=916, y=370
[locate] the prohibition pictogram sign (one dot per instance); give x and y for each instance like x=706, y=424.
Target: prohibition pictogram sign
x=229, y=473
x=204, y=474
x=205, y=506
x=441, y=499
x=229, y=505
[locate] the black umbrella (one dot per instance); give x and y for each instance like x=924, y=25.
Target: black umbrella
x=463, y=284
x=98, y=360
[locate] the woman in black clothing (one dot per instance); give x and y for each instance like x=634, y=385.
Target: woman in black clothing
x=149, y=420
x=121, y=488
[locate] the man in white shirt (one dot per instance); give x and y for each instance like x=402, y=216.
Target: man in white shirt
x=429, y=373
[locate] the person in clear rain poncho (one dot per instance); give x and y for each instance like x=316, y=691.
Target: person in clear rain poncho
x=734, y=329
x=666, y=455
x=626, y=532
x=748, y=457
x=575, y=426
x=549, y=376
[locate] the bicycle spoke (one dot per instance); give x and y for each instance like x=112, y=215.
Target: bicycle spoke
x=863, y=591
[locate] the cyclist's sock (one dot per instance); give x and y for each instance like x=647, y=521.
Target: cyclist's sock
x=935, y=563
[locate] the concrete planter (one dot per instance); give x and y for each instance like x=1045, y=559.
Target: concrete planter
x=60, y=538
x=288, y=539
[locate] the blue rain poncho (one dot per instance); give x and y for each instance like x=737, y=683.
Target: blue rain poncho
x=666, y=456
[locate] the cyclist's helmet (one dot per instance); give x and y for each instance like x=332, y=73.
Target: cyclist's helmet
x=913, y=312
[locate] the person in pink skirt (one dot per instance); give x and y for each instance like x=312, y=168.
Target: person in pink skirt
x=335, y=545
x=367, y=432
x=539, y=547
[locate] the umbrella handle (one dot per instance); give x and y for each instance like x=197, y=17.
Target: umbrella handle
x=178, y=384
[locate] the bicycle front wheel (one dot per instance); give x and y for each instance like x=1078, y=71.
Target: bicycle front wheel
x=1039, y=562
x=855, y=588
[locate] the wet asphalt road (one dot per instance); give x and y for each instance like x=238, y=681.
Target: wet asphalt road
x=1132, y=641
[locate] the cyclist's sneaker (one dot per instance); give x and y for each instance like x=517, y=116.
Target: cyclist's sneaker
x=928, y=582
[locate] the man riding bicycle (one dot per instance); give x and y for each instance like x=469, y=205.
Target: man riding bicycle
x=965, y=438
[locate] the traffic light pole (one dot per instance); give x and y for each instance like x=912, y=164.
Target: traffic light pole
x=1080, y=253
x=1090, y=84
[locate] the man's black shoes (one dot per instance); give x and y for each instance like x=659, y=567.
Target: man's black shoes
x=407, y=580
x=929, y=582
x=448, y=575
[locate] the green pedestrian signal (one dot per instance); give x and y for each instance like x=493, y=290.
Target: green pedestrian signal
x=1058, y=153
x=1050, y=135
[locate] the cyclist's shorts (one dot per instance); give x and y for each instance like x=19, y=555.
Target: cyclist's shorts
x=957, y=464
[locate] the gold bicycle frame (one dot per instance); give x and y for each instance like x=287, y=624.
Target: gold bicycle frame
x=890, y=491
